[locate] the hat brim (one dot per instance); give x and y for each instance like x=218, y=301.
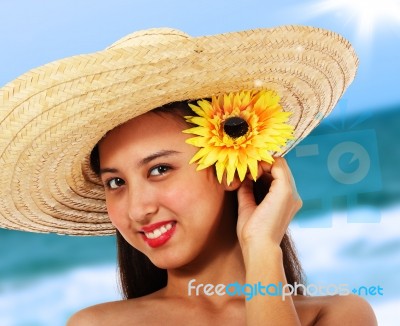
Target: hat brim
x=52, y=117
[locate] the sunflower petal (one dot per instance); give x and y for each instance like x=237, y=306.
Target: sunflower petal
x=253, y=167
x=232, y=164
x=200, y=131
x=200, y=153
x=220, y=168
x=200, y=121
x=266, y=156
x=207, y=107
x=197, y=141
x=211, y=157
x=242, y=167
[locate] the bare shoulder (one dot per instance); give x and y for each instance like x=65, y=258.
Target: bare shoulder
x=86, y=316
x=348, y=310
x=137, y=311
x=110, y=313
x=95, y=315
x=339, y=310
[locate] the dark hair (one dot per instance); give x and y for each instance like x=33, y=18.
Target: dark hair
x=138, y=276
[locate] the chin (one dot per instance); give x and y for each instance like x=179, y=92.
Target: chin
x=167, y=262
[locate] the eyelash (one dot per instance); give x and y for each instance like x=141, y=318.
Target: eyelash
x=120, y=182
x=165, y=168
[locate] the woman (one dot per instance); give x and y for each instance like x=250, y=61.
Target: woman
x=201, y=226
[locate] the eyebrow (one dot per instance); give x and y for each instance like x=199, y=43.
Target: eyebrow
x=144, y=161
x=152, y=157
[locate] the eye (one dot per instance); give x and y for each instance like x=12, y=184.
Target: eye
x=115, y=183
x=159, y=170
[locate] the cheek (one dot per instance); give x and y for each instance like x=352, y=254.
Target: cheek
x=197, y=197
x=176, y=199
x=115, y=211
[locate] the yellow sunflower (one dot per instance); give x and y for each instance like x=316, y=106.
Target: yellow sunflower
x=235, y=131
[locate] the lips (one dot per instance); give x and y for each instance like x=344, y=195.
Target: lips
x=157, y=234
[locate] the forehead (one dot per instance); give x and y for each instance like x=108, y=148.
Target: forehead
x=146, y=133
x=149, y=123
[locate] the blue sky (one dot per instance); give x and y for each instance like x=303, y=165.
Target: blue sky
x=36, y=32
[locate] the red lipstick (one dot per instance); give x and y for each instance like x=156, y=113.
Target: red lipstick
x=155, y=235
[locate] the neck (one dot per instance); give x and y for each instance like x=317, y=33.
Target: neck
x=223, y=267
x=221, y=262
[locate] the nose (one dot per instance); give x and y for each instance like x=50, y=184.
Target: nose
x=142, y=203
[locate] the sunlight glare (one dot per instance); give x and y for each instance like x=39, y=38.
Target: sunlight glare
x=367, y=14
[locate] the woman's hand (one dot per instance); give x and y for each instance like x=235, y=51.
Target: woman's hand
x=260, y=230
x=266, y=223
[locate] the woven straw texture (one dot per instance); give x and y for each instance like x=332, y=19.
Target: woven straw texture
x=52, y=116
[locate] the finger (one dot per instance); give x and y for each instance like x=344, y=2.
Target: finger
x=287, y=172
x=245, y=196
x=280, y=170
x=265, y=167
x=290, y=174
x=264, y=173
x=281, y=173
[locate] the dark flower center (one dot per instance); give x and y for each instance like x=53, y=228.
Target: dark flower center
x=235, y=127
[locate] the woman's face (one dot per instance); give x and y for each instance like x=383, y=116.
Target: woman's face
x=160, y=204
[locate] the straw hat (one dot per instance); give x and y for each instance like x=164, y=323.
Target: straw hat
x=52, y=116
